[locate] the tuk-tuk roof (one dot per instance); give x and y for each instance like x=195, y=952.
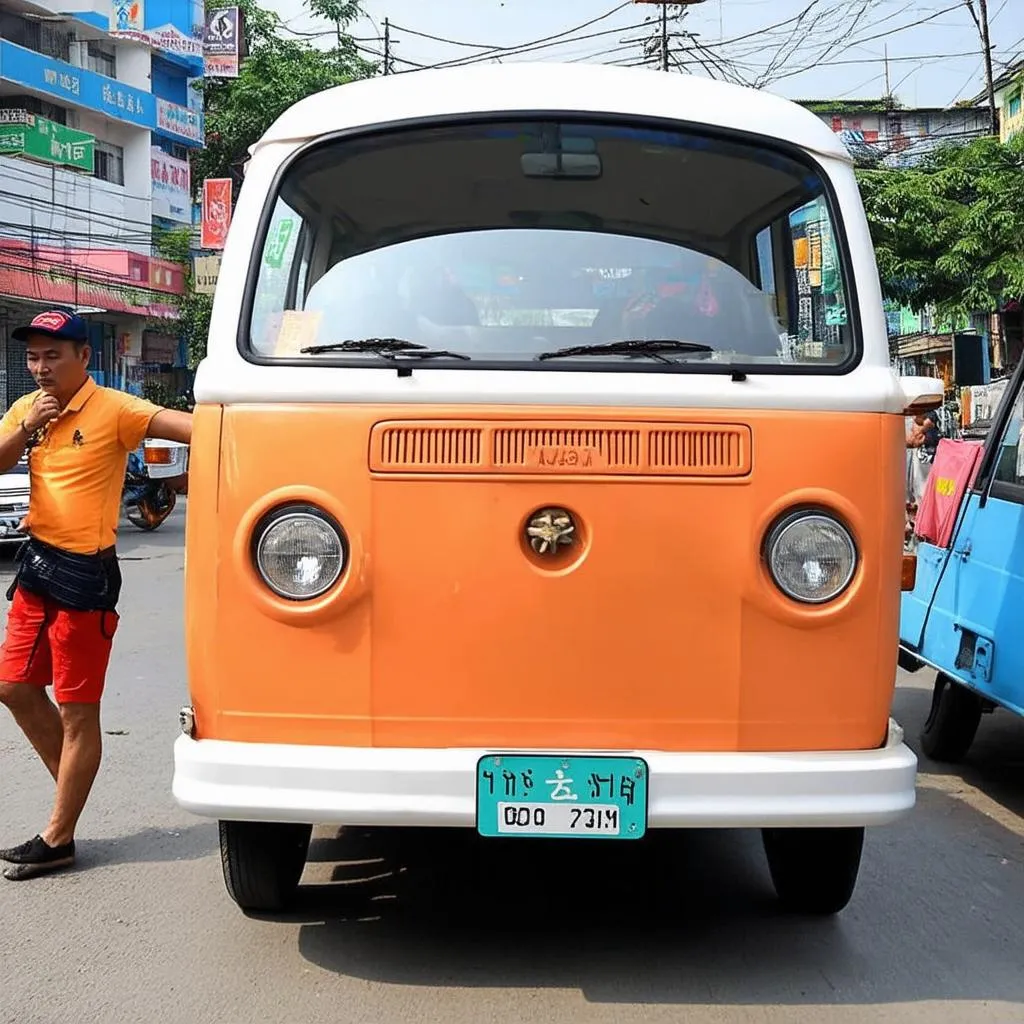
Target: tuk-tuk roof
x=553, y=88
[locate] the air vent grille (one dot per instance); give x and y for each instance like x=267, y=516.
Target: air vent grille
x=517, y=448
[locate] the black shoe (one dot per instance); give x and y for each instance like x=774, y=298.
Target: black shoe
x=37, y=857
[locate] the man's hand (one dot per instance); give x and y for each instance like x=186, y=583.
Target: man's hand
x=45, y=409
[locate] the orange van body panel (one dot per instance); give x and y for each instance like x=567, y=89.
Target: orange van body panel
x=659, y=630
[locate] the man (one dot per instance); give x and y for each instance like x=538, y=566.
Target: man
x=63, y=612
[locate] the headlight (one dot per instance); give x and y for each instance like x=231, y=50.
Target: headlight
x=811, y=557
x=299, y=552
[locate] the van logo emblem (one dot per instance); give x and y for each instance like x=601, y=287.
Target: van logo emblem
x=549, y=530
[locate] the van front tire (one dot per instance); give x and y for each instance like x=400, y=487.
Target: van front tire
x=814, y=870
x=263, y=862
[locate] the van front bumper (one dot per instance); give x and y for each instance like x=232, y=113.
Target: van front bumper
x=430, y=787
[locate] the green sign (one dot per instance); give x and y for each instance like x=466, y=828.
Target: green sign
x=277, y=243
x=39, y=139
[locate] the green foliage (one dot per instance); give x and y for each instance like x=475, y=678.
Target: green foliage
x=278, y=72
x=158, y=393
x=193, y=308
x=950, y=232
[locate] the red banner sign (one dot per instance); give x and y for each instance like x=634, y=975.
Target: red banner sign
x=216, y=213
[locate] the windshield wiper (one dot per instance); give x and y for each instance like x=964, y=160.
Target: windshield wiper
x=652, y=348
x=388, y=348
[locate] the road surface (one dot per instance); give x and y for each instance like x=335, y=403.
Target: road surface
x=466, y=932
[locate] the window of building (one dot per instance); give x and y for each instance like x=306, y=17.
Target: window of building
x=101, y=59
x=36, y=106
x=109, y=162
x=1013, y=106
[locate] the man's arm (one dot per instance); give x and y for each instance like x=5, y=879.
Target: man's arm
x=171, y=425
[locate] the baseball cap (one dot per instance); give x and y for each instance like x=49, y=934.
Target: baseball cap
x=57, y=324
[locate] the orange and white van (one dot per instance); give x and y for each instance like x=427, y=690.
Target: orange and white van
x=547, y=478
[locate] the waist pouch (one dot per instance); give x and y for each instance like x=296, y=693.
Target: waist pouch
x=88, y=583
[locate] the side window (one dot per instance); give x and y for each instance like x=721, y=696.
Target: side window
x=764, y=261
x=1009, y=464
x=278, y=288
x=821, y=315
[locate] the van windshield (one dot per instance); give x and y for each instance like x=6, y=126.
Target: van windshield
x=547, y=244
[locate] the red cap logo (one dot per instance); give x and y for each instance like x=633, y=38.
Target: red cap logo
x=52, y=321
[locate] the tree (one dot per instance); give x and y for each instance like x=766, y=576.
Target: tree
x=278, y=72
x=194, y=308
x=949, y=233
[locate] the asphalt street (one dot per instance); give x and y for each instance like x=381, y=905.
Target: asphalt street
x=429, y=927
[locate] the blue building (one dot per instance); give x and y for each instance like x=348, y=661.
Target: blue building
x=97, y=119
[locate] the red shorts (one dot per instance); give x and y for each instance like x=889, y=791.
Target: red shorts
x=46, y=643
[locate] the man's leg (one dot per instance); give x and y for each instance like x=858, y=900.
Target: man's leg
x=26, y=668
x=79, y=763
x=38, y=719
x=80, y=644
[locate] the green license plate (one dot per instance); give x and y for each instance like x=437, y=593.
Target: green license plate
x=571, y=797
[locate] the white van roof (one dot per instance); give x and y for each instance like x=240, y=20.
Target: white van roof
x=553, y=88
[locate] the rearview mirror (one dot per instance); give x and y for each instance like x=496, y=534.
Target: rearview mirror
x=561, y=165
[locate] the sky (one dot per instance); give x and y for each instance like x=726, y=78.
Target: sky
x=934, y=50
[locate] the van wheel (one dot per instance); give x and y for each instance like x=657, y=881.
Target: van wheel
x=263, y=862
x=952, y=721
x=814, y=870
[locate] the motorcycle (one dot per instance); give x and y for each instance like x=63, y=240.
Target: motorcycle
x=147, y=502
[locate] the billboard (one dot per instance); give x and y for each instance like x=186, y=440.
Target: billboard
x=216, y=217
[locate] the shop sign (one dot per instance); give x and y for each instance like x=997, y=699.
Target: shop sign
x=27, y=135
x=127, y=16
x=178, y=120
x=222, y=42
x=168, y=37
x=74, y=86
x=205, y=271
x=172, y=188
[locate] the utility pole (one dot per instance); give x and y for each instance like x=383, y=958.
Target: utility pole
x=664, y=37
x=980, y=17
x=387, y=47
x=664, y=5
x=888, y=86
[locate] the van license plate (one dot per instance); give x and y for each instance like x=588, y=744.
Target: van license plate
x=562, y=797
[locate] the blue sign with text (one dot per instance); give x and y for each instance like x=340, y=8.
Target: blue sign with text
x=77, y=86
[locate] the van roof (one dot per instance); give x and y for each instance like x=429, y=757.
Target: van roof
x=552, y=88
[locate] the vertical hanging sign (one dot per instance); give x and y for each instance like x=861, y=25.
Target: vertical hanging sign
x=222, y=42
x=216, y=213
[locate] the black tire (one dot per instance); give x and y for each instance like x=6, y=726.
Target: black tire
x=952, y=721
x=263, y=863
x=814, y=870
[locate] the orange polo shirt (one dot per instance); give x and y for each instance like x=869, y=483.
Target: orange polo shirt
x=76, y=469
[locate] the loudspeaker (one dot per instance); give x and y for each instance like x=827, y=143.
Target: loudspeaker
x=970, y=360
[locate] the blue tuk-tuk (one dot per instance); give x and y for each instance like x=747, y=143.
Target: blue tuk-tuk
x=965, y=615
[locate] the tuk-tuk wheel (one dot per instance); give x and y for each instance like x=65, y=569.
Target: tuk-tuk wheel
x=952, y=721
x=263, y=862
x=814, y=870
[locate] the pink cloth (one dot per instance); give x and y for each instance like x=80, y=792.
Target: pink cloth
x=951, y=476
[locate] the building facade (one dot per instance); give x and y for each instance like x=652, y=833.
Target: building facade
x=97, y=117
x=880, y=131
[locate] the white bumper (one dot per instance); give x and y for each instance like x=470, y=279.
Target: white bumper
x=399, y=787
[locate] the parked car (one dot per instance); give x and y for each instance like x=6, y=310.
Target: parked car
x=13, y=502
